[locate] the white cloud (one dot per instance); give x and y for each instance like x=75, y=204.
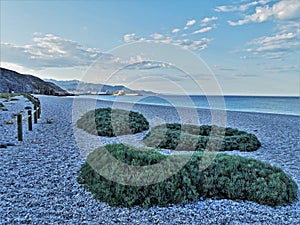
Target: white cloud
x=51, y=43
x=200, y=44
x=283, y=69
x=157, y=36
x=182, y=40
x=129, y=37
x=240, y=8
x=289, y=27
x=16, y=67
x=283, y=10
x=263, y=2
x=223, y=68
x=147, y=65
x=175, y=30
x=136, y=59
x=49, y=51
x=276, y=46
x=190, y=23
x=272, y=39
x=287, y=10
x=207, y=20
x=261, y=14
x=196, y=45
x=167, y=40
x=224, y=8
x=203, y=30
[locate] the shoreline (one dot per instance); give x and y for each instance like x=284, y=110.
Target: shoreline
x=38, y=175
x=187, y=107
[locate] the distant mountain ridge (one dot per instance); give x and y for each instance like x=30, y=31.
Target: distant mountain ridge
x=12, y=81
x=79, y=87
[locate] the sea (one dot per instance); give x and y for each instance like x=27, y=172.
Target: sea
x=261, y=104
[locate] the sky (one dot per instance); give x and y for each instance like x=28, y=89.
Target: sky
x=225, y=47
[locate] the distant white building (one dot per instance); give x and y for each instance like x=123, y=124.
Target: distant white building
x=104, y=93
x=119, y=93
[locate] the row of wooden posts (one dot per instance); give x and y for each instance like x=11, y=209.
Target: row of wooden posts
x=36, y=115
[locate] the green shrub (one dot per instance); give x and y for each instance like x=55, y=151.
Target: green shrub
x=30, y=98
x=236, y=177
x=230, y=177
x=112, y=122
x=8, y=96
x=2, y=107
x=49, y=121
x=5, y=95
x=198, y=138
x=8, y=122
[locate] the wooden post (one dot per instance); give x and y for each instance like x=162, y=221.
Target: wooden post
x=20, y=131
x=35, y=114
x=29, y=120
x=39, y=109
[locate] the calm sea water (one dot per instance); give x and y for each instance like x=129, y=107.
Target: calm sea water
x=277, y=105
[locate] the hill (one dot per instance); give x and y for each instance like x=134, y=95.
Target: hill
x=12, y=81
x=79, y=87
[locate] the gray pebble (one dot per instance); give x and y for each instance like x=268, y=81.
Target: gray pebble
x=38, y=175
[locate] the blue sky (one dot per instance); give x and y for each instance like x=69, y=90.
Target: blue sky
x=250, y=47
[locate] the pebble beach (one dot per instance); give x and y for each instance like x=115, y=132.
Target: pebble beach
x=38, y=175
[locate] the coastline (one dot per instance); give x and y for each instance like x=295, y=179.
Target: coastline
x=215, y=102
x=39, y=185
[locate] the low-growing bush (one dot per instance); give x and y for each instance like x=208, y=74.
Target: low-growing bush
x=49, y=121
x=9, y=96
x=200, y=138
x=112, y=122
x=8, y=122
x=241, y=178
x=6, y=95
x=230, y=177
x=2, y=107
